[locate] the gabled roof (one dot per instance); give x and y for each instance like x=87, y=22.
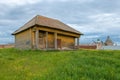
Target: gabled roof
x=108, y=41
x=48, y=22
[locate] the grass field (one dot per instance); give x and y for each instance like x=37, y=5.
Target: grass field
x=59, y=65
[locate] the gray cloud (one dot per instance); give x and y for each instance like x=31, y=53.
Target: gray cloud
x=95, y=18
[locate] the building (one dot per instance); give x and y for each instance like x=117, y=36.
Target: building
x=108, y=42
x=87, y=46
x=46, y=33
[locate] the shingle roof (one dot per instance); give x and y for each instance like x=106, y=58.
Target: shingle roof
x=49, y=22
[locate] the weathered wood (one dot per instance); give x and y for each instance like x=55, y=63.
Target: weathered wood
x=77, y=41
x=55, y=41
x=37, y=39
x=23, y=39
x=50, y=40
x=58, y=31
x=46, y=40
x=31, y=37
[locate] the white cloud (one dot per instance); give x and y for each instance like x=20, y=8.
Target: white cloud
x=1, y=33
x=7, y=21
x=18, y=2
x=88, y=28
x=104, y=22
x=106, y=18
x=78, y=27
x=6, y=40
x=91, y=19
x=24, y=2
x=80, y=1
x=92, y=36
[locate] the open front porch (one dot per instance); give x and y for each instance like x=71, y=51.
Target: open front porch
x=45, y=40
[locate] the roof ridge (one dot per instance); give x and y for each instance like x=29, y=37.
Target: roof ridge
x=47, y=17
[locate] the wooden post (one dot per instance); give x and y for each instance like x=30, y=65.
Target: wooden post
x=31, y=40
x=37, y=38
x=77, y=42
x=46, y=39
x=55, y=41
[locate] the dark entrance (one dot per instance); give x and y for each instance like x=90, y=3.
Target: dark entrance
x=41, y=39
x=58, y=43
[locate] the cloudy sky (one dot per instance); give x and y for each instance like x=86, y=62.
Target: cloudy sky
x=95, y=18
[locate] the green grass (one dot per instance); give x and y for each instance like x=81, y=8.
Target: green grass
x=59, y=65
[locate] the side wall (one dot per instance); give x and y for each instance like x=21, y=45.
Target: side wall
x=51, y=40
x=23, y=40
x=66, y=41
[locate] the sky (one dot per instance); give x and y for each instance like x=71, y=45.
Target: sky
x=96, y=19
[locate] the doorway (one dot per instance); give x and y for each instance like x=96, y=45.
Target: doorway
x=59, y=43
x=41, y=39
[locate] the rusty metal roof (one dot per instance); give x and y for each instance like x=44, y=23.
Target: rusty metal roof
x=48, y=22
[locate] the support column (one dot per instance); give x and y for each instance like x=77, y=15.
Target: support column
x=77, y=42
x=55, y=40
x=46, y=40
x=37, y=38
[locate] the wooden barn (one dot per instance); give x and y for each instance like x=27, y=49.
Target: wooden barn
x=46, y=33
